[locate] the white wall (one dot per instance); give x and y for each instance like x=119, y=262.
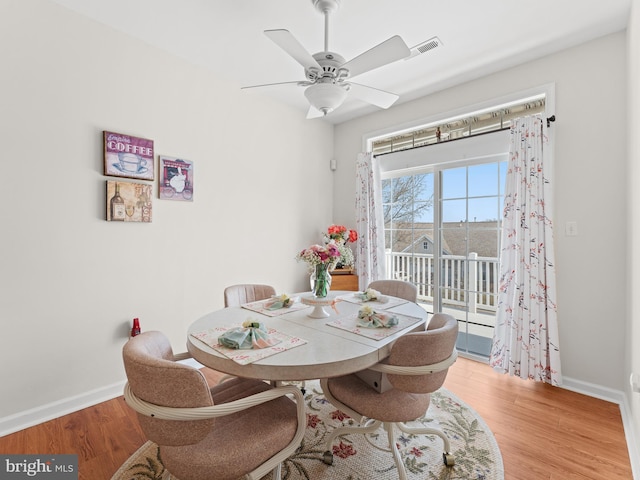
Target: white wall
x=70, y=282
x=590, y=188
x=633, y=274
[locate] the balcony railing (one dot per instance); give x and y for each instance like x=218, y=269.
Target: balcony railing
x=470, y=283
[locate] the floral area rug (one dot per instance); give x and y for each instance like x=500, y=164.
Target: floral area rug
x=473, y=445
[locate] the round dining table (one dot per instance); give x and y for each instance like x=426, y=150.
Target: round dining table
x=325, y=350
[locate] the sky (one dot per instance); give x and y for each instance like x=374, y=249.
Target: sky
x=471, y=193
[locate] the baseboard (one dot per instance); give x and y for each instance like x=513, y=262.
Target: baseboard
x=632, y=438
x=44, y=413
x=615, y=396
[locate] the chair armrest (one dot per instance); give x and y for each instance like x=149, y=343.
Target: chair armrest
x=419, y=370
x=219, y=410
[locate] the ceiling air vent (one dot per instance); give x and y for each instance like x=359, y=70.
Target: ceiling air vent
x=425, y=47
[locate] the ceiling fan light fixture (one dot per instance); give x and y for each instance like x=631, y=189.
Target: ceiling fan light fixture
x=325, y=97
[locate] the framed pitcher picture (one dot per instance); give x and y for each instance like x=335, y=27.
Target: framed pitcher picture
x=176, y=179
x=127, y=156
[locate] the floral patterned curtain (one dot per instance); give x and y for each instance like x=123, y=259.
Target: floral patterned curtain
x=525, y=342
x=369, y=221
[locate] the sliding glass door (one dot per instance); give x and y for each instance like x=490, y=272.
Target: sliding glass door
x=442, y=233
x=470, y=229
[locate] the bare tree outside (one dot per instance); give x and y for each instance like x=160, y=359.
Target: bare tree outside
x=407, y=201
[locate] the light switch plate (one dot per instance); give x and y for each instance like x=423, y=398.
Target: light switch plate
x=571, y=229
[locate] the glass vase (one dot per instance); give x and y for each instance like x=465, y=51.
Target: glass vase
x=320, y=281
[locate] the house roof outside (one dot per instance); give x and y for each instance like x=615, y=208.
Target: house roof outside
x=459, y=238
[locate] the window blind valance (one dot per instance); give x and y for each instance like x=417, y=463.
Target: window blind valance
x=475, y=123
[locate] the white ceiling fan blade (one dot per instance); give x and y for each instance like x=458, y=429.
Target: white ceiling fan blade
x=285, y=40
x=371, y=95
x=274, y=84
x=388, y=51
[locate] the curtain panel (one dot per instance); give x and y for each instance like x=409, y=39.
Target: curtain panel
x=526, y=342
x=369, y=221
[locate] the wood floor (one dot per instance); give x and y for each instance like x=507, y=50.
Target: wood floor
x=544, y=433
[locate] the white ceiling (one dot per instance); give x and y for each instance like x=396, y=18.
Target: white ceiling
x=478, y=37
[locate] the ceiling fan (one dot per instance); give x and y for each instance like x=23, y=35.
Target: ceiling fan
x=328, y=75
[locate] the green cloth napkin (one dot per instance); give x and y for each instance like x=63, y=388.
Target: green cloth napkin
x=369, y=318
x=278, y=302
x=370, y=295
x=246, y=338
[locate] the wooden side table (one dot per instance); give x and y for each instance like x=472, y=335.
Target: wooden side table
x=344, y=282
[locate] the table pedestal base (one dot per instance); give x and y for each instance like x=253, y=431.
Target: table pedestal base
x=318, y=305
x=318, y=312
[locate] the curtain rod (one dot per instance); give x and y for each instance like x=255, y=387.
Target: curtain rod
x=550, y=119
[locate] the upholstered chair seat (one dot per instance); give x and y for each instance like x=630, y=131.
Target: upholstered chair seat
x=236, y=295
x=358, y=395
x=396, y=288
x=416, y=367
x=240, y=428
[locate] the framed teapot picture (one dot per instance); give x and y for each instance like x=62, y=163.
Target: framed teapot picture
x=176, y=179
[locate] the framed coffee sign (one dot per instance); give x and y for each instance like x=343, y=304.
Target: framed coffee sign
x=127, y=156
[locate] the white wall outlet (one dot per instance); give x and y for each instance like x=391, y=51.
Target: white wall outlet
x=634, y=380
